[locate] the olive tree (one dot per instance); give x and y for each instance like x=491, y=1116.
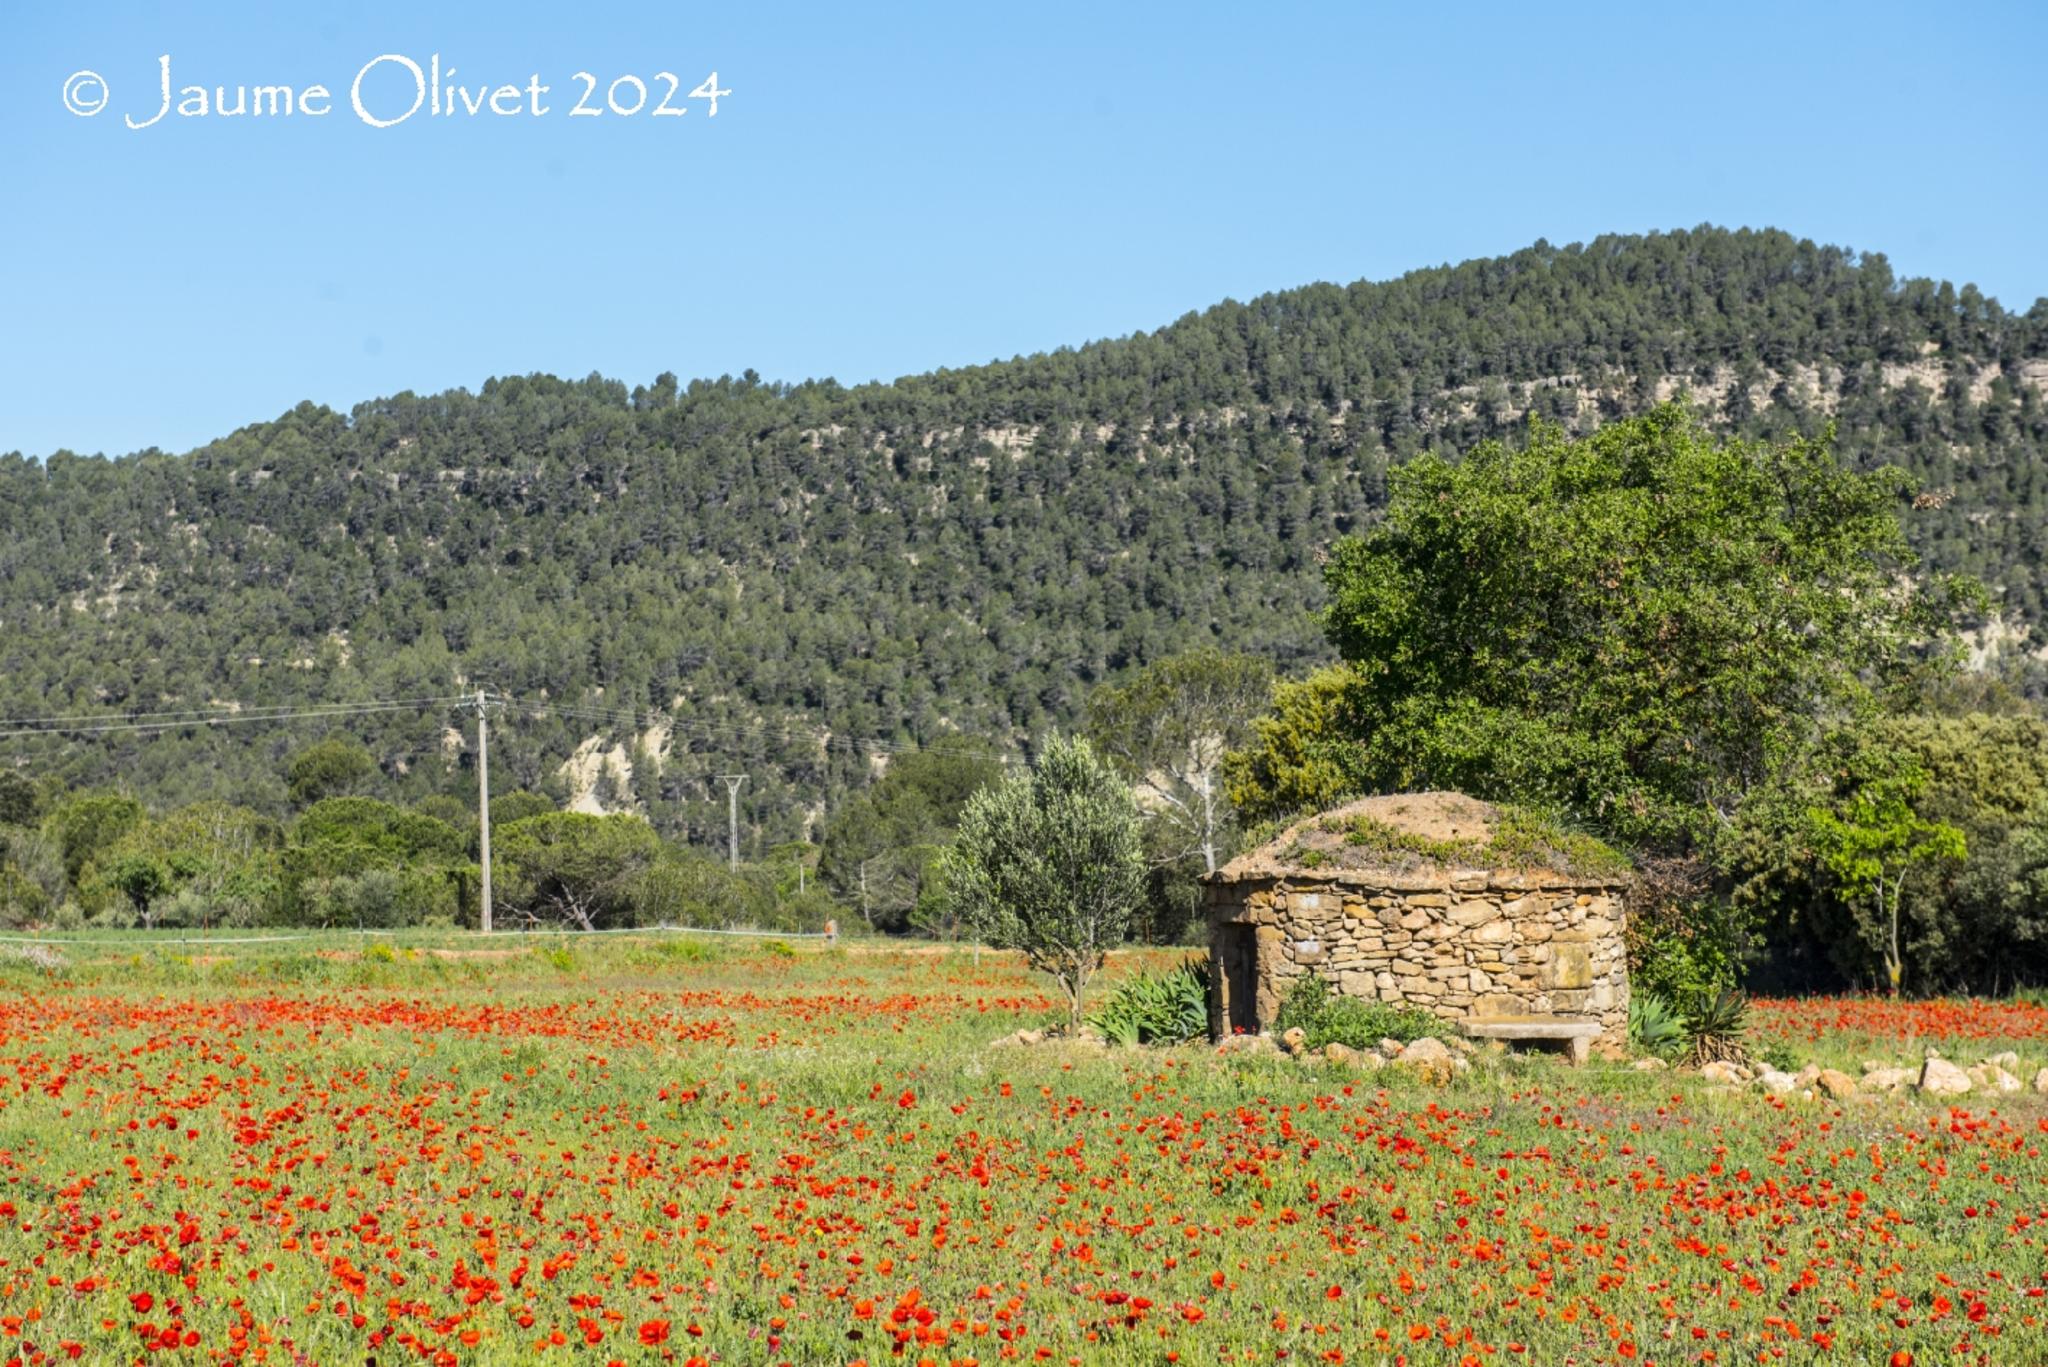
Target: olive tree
x=1049, y=862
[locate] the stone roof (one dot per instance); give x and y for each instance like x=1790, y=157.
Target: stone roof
x=1423, y=839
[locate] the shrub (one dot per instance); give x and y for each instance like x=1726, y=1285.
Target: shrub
x=686, y=889
x=1715, y=1024
x=1654, y=1024
x=1326, y=1018
x=1682, y=938
x=1167, y=1008
x=217, y=910
x=22, y=903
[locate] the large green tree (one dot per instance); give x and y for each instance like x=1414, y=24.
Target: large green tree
x=32, y=882
x=575, y=869
x=360, y=861
x=1975, y=923
x=20, y=804
x=1637, y=627
x=202, y=864
x=86, y=824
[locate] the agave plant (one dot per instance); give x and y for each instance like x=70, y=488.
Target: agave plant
x=1654, y=1025
x=1166, y=1009
x=1715, y=1024
x=1118, y=1021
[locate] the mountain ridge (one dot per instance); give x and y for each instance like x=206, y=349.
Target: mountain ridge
x=966, y=550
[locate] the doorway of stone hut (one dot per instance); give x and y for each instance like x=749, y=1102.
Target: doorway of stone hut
x=1238, y=947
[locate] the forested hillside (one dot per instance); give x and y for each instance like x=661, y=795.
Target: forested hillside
x=786, y=580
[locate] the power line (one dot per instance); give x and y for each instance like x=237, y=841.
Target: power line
x=186, y=722
x=239, y=714
x=219, y=709
x=73, y=726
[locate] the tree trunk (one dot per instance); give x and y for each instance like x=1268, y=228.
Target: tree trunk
x=1208, y=826
x=575, y=907
x=1894, y=966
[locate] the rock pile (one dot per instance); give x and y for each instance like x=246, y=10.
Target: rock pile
x=1429, y=1057
x=1936, y=1076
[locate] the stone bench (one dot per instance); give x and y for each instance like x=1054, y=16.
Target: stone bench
x=1574, y=1036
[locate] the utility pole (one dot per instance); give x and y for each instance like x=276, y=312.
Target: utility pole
x=732, y=812
x=483, y=799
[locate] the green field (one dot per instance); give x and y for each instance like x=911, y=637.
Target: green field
x=645, y=1150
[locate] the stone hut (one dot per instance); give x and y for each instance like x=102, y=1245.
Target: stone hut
x=1484, y=915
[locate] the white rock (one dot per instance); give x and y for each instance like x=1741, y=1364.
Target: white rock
x=1939, y=1077
x=1428, y=1049
x=1723, y=1072
x=1777, y=1083
x=1990, y=1077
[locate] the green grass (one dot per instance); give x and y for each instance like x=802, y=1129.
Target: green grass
x=1521, y=838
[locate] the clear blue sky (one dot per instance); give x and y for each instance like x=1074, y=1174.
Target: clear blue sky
x=889, y=189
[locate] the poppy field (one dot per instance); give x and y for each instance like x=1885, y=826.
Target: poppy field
x=652, y=1153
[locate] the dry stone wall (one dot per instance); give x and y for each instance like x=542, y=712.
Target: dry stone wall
x=1482, y=944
